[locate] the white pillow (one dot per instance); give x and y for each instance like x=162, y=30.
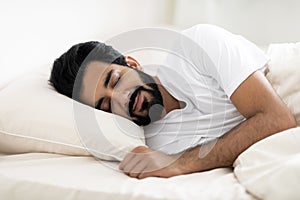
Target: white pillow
x=35, y=118
x=284, y=74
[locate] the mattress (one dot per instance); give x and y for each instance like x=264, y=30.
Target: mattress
x=53, y=176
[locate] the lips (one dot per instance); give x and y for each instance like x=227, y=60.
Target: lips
x=133, y=100
x=138, y=102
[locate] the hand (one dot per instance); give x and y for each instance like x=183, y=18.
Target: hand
x=143, y=162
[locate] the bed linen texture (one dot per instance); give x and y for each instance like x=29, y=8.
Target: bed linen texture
x=46, y=176
x=270, y=169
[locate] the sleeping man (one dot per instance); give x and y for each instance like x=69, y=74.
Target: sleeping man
x=197, y=115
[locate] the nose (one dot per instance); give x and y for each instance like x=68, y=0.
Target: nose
x=120, y=98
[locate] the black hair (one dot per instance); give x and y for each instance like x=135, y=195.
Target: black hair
x=71, y=66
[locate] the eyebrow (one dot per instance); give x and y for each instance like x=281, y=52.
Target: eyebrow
x=108, y=78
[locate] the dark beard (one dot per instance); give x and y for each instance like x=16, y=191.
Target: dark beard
x=154, y=105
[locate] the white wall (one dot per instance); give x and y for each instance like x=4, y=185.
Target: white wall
x=34, y=32
x=262, y=21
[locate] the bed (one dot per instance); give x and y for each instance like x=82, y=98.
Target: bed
x=32, y=168
x=52, y=176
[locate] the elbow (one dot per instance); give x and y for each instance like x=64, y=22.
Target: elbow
x=292, y=122
x=287, y=121
x=279, y=119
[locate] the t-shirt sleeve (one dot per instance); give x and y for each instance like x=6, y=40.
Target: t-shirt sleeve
x=228, y=58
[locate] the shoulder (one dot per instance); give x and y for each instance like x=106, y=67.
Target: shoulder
x=208, y=30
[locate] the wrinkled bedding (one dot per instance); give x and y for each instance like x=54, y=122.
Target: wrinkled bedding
x=45, y=176
x=270, y=169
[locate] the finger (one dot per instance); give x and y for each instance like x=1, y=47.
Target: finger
x=126, y=160
x=131, y=164
x=145, y=175
x=138, y=169
x=149, y=172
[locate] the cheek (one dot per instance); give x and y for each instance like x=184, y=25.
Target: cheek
x=130, y=79
x=117, y=109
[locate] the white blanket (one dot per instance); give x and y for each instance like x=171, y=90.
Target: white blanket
x=270, y=169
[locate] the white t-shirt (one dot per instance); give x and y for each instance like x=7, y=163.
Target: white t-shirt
x=208, y=65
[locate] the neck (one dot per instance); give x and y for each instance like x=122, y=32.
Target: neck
x=170, y=102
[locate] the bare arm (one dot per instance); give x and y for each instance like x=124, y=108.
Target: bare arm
x=266, y=114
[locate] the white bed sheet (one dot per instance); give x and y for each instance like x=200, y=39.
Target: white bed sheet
x=45, y=176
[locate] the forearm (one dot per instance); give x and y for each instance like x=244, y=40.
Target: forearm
x=144, y=162
x=228, y=147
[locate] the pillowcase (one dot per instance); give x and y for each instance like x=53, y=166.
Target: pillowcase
x=36, y=118
x=284, y=74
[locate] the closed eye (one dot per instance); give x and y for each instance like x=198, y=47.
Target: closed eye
x=112, y=78
x=98, y=106
x=116, y=81
x=104, y=104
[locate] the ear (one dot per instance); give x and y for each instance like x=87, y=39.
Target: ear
x=133, y=63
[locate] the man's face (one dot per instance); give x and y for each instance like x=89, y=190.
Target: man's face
x=122, y=90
